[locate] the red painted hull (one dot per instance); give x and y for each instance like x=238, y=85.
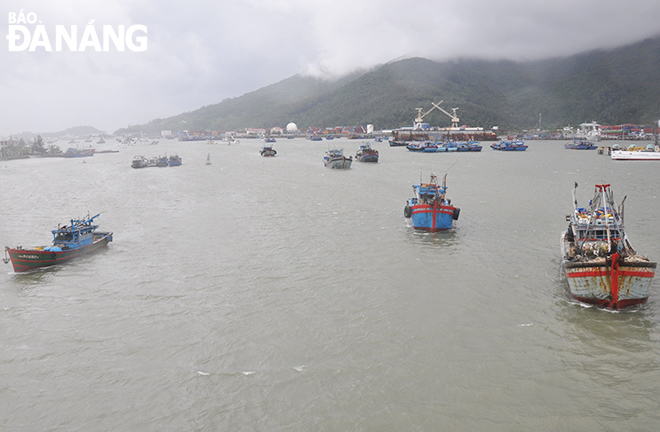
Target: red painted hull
x=28, y=259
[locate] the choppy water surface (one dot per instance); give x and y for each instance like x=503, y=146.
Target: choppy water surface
x=276, y=294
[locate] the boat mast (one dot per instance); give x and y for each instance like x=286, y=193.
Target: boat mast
x=606, y=203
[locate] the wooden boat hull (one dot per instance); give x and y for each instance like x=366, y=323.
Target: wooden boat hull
x=28, y=259
x=367, y=157
x=339, y=163
x=609, y=282
x=612, y=285
x=433, y=217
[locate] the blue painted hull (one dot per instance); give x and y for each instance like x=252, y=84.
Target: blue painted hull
x=432, y=217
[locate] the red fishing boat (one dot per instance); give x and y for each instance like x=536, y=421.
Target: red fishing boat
x=601, y=266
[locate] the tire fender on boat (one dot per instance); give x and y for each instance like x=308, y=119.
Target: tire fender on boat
x=457, y=212
x=407, y=211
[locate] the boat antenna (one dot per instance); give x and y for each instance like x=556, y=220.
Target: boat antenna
x=450, y=167
x=575, y=203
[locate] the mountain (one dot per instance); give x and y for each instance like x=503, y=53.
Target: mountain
x=610, y=86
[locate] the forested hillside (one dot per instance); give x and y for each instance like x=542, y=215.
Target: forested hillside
x=611, y=87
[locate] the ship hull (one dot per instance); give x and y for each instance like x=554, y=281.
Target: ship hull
x=432, y=218
x=367, y=158
x=613, y=285
x=28, y=259
x=340, y=163
x=634, y=155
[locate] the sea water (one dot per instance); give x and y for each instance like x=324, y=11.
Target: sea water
x=276, y=294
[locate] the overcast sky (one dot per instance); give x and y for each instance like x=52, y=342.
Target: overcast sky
x=201, y=52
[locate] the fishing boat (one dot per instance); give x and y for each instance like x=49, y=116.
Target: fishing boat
x=472, y=146
x=174, y=161
x=580, y=144
x=162, y=161
x=600, y=265
x=78, y=238
x=268, y=150
x=140, y=162
x=429, y=209
x=648, y=153
x=74, y=152
x=335, y=159
x=366, y=154
x=422, y=146
x=516, y=145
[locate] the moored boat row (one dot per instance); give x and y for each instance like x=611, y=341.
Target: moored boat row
x=140, y=161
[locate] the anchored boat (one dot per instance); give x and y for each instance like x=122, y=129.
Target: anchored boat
x=580, y=144
x=601, y=266
x=268, y=150
x=336, y=159
x=69, y=242
x=174, y=160
x=429, y=209
x=517, y=145
x=366, y=154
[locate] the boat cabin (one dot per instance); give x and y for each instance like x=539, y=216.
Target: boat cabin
x=80, y=233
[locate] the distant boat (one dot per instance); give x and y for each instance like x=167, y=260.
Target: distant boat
x=174, y=161
x=472, y=146
x=69, y=242
x=600, y=265
x=140, y=162
x=72, y=153
x=336, y=159
x=634, y=155
x=517, y=145
x=366, y=154
x=422, y=146
x=269, y=139
x=267, y=150
x=429, y=209
x=580, y=144
x=314, y=138
x=162, y=161
x=208, y=159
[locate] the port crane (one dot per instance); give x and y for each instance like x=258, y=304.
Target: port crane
x=454, y=118
x=420, y=116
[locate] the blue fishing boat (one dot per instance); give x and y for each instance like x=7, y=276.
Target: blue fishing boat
x=366, y=154
x=471, y=146
x=69, y=242
x=517, y=145
x=422, y=146
x=174, y=160
x=429, y=209
x=580, y=144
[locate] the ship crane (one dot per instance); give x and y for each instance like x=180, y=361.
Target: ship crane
x=420, y=116
x=454, y=118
